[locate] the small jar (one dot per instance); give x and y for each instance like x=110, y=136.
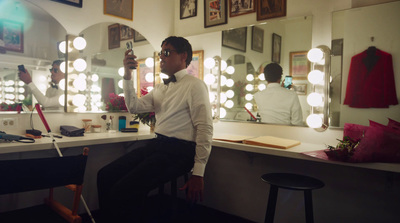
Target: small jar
x=87, y=124
x=96, y=128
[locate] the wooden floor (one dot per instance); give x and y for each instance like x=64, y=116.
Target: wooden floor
x=182, y=214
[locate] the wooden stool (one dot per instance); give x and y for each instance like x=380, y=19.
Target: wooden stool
x=291, y=182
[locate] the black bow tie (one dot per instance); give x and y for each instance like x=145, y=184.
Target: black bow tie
x=170, y=79
x=53, y=85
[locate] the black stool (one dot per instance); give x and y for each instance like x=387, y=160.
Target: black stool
x=291, y=182
x=174, y=187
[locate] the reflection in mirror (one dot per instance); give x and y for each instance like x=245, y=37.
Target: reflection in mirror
x=357, y=30
x=295, y=36
x=104, y=70
x=34, y=44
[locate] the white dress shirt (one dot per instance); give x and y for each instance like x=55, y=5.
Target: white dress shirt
x=278, y=105
x=50, y=101
x=182, y=111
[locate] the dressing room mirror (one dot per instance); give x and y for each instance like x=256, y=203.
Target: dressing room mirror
x=275, y=41
x=104, y=59
x=29, y=37
x=353, y=32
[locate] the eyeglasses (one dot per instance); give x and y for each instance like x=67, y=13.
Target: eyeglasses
x=166, y=52
x=55, y=70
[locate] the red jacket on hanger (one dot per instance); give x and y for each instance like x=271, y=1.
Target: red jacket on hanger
x=371, y=80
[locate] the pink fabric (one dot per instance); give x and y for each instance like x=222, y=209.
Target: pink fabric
x=354, y=131
x=394, y=124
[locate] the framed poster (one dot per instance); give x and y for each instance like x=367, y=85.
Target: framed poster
x=195, y=67
x=267, y=9
x=299, y=66
x=188, y=8
x=257, y=39
x=239, y=7
x=125, y=32
x=276, y=48
x=113, y=36
x=137, y=37
x=121, y=8
x=214, y=13
x=142, y=71
x=76, y=3
x=300, y=89
x=235, y=38
x=12, y=35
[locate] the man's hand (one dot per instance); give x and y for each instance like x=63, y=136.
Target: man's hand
x=129, y=61
x=25, y=77
x=195, y=187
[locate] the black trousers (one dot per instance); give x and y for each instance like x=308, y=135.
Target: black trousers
x=123, y=185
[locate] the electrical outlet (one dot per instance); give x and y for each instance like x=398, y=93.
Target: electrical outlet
x=8, y=123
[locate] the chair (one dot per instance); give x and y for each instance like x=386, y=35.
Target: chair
x=291, y=182
x=46, y=173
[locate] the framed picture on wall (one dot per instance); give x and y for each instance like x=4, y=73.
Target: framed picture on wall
x=267, y=9
x=76, y=3
x=137, y=37
x=276, y=48
x=121, y=8
x=235, y=38
x=125, y=32
x=195, y=67
x=215, y=13
x=12, y=35
x=257, y=39
x=299, y=66
x=188, y=8
x=300, y=89
x=113, y=36
x=238, y=7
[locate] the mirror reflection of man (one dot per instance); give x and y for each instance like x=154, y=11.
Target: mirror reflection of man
x=49, y=101
x=278, y=105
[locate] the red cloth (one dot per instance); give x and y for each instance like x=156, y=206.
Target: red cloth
x=371, y=89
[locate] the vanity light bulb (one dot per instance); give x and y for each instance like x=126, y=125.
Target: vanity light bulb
x=21, y=97
x=250, y=77
x=230, y=93
x=79, y=43
x=209, y=79
x=261, y=87
x=229, y=83
x=314, y=99
x=149, y=62
x=229, y=104
x=149, y=88
x=223, y=80
x=261, y=77
x=62, y=66
x=315, y=55
x=21, y=90
x=212, y=97
x=249, y=106
x=248, y=97
x=314, y=121
x=223, y=98
x=42, y=87
x=230, y=70
x=62, y=47
x=80, y=64
x=79, y=84
x=95, y=77
x=249, y=87
x=149, y=77
x=82, y=76
x=79, y=100
x=224, y=65
x=9, y=83
x=315, y=76
x=61, y=100
x=120, y=84
x=20, y=83
x=222, y=112
x=61, y=84
x=209, y=63
x=121, y=71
